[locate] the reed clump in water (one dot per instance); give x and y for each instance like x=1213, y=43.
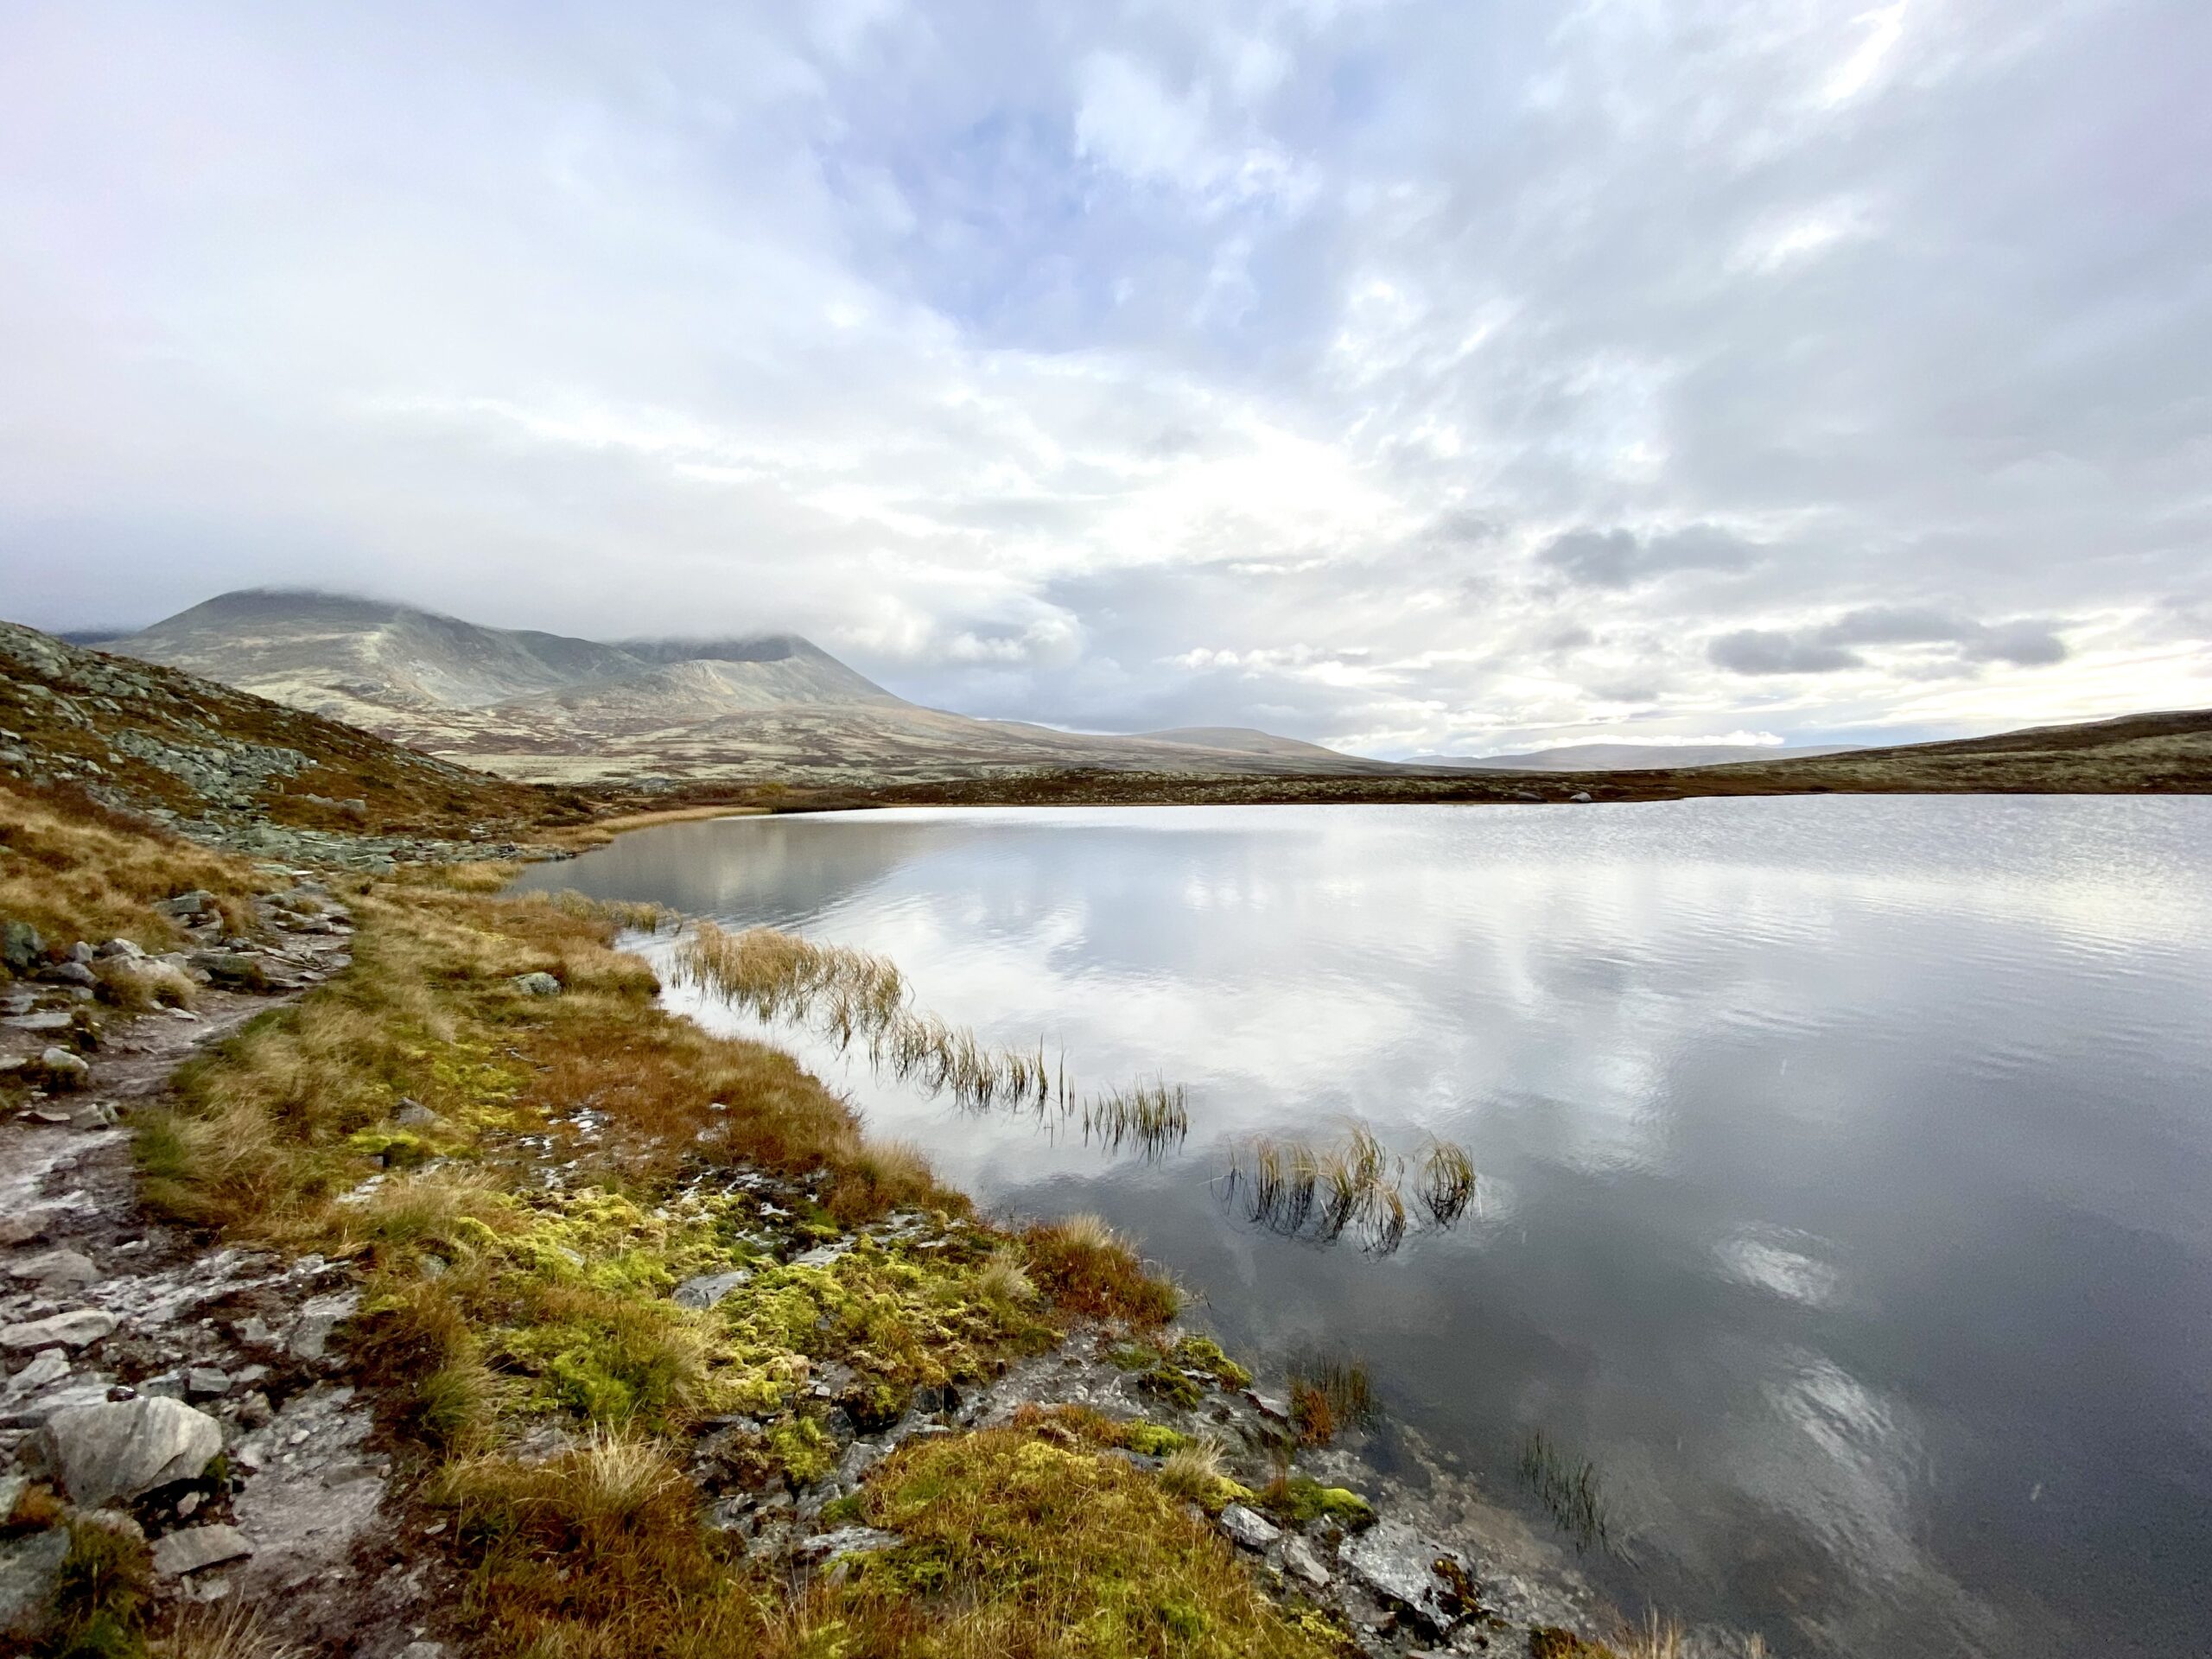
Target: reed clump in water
x=1355, y=1186
x=1328, y=1396
x=849, y=996
x=1569, y=1490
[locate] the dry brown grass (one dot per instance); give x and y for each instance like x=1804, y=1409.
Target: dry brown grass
x=75, y=872
x=228, y=1629
x=1092, y=1272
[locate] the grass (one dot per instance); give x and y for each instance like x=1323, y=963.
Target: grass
x=1353, y=1186
x=74, y=871
x=1092, y=1271
x=1328, y=1396
x=1569, y=1490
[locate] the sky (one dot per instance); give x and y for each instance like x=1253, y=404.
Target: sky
x=1417, y=378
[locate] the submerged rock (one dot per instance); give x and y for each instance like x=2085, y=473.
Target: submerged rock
x=104, y=1453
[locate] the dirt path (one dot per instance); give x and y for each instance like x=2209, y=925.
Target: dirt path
x=101, y=1303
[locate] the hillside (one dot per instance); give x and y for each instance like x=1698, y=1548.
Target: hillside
x=1625, y=757
x=236, y=770
x=550, y=708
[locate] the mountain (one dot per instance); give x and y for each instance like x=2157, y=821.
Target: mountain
x=1625, y=757
x=550, y=708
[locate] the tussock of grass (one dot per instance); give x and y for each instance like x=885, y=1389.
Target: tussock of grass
x=1091, y=1271
x=75, y=871
x=1355, y=1186
x=1328, y=1396
x=228, y=1629
x=1567, y=1488
x=103, y=1597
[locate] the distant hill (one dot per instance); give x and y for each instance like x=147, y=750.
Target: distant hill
x=1627, y=757
x=551, y=708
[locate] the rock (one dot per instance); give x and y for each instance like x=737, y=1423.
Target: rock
x=50, y=1020
x=536, y=984
x=69, y=973
x=186, y=904
x=826, y=1546
x=64, y=1071
x=230, y=967
x=822, y=1255
x=11, y=1493
x=709, y=1287
x=74, y=1329
x=50, y=1365
x=194, y=1548
x=1581, y=796
x=25, y=1226
x=1420, y=1574
x=319, y=1317
x=38, y=1409
x=423, y=1650
x=128, y=1446
x=205, y=1383
x=1249, y=1527
x=58, y=1270
x=20, y=947
x=127, y=948
x=1305, y=1562
x=414, y=1115
x=79, y=953
x=29, y=1567
x=1270, y=1405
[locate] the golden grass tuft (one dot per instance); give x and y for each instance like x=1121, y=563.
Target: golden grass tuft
x=228, y=1629
x=1088, y=1271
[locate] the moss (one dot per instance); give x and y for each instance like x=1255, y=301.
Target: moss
x=1198, y=1353
x=1299, y=1500
x=807, y=1454
x=1165, y=1381
x=1152, y=1439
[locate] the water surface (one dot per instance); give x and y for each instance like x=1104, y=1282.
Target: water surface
x=1845, y=1161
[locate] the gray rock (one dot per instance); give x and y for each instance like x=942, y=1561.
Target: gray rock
x=186, y=904
x=1305, y=1562
x=50, y=1365
x=193, y=1547
x=50, y=1020
x=423, y=1650
x=1249, y=1527
x=38, y=1409
x=25, y=1226
x=127, y=948
x=709, y=1287
x=63, y=1069
x=822, y=1255
x=230, y=967
x=79, y=953
x=536, y=984
x=58, y=1270
x=1270, y=1405
x=128, y=1446
x=206, y=1383
x=1580, y=795
x=826, y=1546
x=20, y=947
x=1401, y=1566
x=69, y=973
x=29, y=1569
x=74, y=1329
x=319, y=1317
x=11, y=1493
x=414, y=1115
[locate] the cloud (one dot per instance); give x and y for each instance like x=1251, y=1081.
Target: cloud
x=1411, y=377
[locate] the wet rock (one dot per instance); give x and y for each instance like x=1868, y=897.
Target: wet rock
x=62, y=1071
x=193, y=1547
x=1418, y=1574
x=319, y=1317
x=536, y=984
x=1249, y=1527
x=1303, y=1561
x=58, y=1270
x=29, y=1569
x=128, y=1446
x=826, y=1546
x=21, y=948
x=72, y=1329
x=822, y=1255
x=709, y=1288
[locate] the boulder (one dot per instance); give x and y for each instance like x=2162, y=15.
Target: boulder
x=21, y=948
x=63, y=1070
x=1415, y=1572
x=206, y=1383
x=193, y=1547
x=125, y=1448
x=1249, y=1527
x=79, y=953
x=414, y=1115
x=1580, y=796
x=49, y=1365
x=126, y=949
x=69, y=973
x=709, y=1287
x=29, y=1568
x=74, y=1329
x=186, y=904
x=536, y=984
x=230, y=968
x=1303, y=1561
x=319, y=1317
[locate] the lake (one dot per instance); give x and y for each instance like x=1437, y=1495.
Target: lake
x=1845, y=1163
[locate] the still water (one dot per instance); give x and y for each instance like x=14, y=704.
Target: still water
x=1846, y=1164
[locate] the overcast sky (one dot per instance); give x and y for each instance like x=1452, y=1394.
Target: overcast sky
x=1411, y=377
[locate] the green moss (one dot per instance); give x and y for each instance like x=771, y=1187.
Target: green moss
x=807, y=1454
x=1152, y=1439
x=1203, y=1354
x=1133, y=1356
x=1299, y=1500
x=1165, y=1381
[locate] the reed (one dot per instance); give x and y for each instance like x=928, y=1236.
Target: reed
x=1568, y=1491
x=1153, y=1118
x=1356, y=1187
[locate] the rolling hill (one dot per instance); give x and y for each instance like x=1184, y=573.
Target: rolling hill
x=1625, y=757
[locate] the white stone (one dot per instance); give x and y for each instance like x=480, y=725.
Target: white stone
x=1249, y=1527
x=128, y=1446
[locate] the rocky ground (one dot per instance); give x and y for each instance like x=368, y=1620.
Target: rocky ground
x=195, y=1395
